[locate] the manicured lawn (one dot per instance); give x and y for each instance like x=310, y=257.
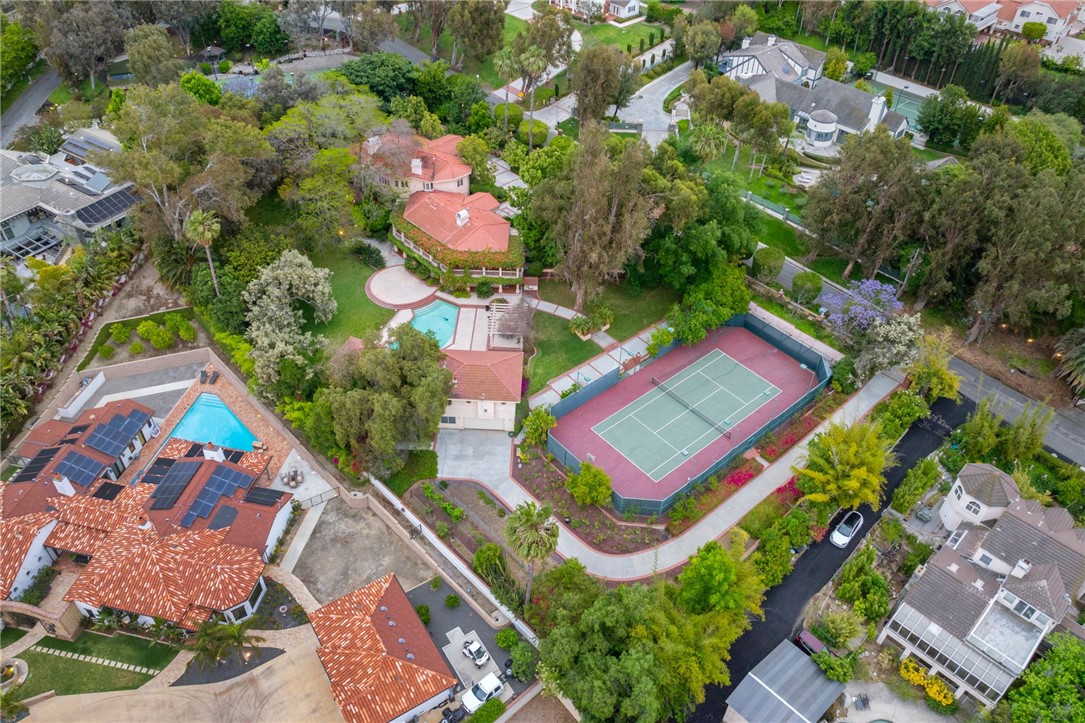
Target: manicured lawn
x=421, y=464
x=120, y=648
x=19, y=87
x=357, y=315
x=780, y=235
x=61, y=95
x=71, y=677
x=633, y=310
x=570, y=127
x=621, y=38
x=271, y=211
x=9, y=635
x=557, y=350
x=485, y=70
x=928, y=154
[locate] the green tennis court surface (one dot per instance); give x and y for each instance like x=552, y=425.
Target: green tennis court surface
x=685, y=413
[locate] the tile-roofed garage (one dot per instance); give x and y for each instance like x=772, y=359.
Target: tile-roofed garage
x=16, y=537
x=786, y=687
x=378, y=670
x=463, y=223
x=1030, y=531
x=495, y=376
x=988, y=484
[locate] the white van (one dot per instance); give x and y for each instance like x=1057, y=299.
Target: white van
x=489, y=687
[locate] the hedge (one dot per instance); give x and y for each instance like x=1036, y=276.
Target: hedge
x=489, y=712
x=516, y=114
x=541, y=132
x=768, y=262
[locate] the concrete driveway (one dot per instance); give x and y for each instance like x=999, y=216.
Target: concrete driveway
x=647, y=105
x=25, y=108
x=474, y=454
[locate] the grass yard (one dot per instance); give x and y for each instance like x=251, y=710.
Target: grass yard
x=357, y=315
x=801, y=323
x=570, y=127
x=621, y=38
x=780, y=235
x=71, y=677
x=633, y=310
x=557, y=350
x=19, y=87
x=485, y=70
x=9, y=635
x=833, y=269
x=929, y=154
x=271, y=211
x=120, y=648
x=421, y=464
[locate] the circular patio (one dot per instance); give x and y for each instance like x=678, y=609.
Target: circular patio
x=396, y=288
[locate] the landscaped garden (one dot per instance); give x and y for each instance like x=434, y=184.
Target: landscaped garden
x=634, y=309
x=557, y=350
x=119, y=647
x=143, y=337
x=357, y=315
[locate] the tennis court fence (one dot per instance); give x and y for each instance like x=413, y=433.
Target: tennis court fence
x=780, y=339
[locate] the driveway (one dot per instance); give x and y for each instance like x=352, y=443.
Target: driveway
x=784, y=603
x=474, y=454
x=647, y=105
x=25, y=108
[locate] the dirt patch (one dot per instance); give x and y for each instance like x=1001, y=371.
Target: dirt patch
x=543, y=709
x=143, y=294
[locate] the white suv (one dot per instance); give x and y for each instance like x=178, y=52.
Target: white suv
x=489, y=687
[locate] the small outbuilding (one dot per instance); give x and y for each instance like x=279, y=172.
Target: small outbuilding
x=212, y=54
x=786, y=687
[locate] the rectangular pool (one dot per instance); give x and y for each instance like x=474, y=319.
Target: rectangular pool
x=210, y=420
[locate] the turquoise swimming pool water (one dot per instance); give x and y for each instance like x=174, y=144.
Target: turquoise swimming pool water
x=210, y=420
x=439, y=319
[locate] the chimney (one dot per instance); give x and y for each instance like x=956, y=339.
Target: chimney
x=462, y=217
x=213, y=453
x=416, y=166
x=745, y=43
x=771, y=40
x=62, y=484
x=877, y=111
x=1021, y=568
x=372, y=145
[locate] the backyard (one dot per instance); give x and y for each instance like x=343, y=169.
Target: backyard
x=357, y=315
x=484, y=70
x=634, y=309
x=556, y=350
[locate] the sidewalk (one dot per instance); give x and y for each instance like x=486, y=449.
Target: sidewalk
x=458, y=456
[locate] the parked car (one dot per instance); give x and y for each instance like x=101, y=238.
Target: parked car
x=847, y=529
x=809, y=642
x=450, y=715
x=489, y=687
x=476, y=651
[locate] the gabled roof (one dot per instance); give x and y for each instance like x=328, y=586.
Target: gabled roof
x=440, y=159
x=786, y=687
x=183, y=578
x=1029, y=531
x=948, y=594
x=1042, y=588
x=495, y=376
x=988, y=484
x=812, y=56
x=377, y=654
x=1062, y=8
x=84, y=522
x=850, y=105
x=435, y=213
x=16, y=536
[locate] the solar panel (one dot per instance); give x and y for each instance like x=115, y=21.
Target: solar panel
x=264, y=496
x=113, y=435
x=36, y=465
x=173, y=484
x=223, y=518
x=108, y=491
x=80, y=469
x=188, y=519
x=99, y=182
x=223, y=482
x=109, y=207
x=157, y=471
x=194, y=450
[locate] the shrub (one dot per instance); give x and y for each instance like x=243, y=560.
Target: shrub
x=839, y=669
x=768, y=262
x=535, y=268
x=454, y=512
x=225, y=65
x=159, y=337
x=106, y=351
x=435, y=583
x=537, y=426
x=541, y=130
x=507, y=638
x=524, y=660
x=136, y=348
x=601, y=316
x=368, y=253
x=452, y=602
x=484, y=289
x=119, y=333
x=39, y=586
x=806, y=287
x=919, y=555
x=516, y=115
x=489, y=711
x=443, y=529
x=205, y=68
x=660, y=338
x=187, y=332
x=173, y=321
x=773, y=557
x=591, y=486
x=581, y=325
x=423, y=614
x=899, y=412
x=839, y=627
x=845, y=380
x=915, y=484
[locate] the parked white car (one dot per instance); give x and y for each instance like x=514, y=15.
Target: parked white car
x=476, y=651
x=847, y=529
x=489, y=687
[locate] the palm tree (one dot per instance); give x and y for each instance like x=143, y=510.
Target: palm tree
x=1070, y=351
x=533, y=536
x=238, y=636
x=508, y=67
x=203, y=228
x=210, y=643
x=534, y=64
x=10, y=704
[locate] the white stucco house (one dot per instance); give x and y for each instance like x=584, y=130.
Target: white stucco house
x=980, y=494
x=981, y=13
x=486, y=389
x=1058, y=15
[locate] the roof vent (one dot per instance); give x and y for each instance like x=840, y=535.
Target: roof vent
x=416, y=166
x=953, y=567
x=1021, y=568
x=771, y=40
x=462, y=217
x=402, y=640
x=384, y=608
x=391, y=623
x=978, y=584
x=372, y=145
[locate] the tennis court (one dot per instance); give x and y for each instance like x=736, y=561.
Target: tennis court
x=685, y=412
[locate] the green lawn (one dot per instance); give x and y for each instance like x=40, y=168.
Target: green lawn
x=357, y=315
x=783, y=236
x=833, y=269
x=928, y=154
x=271, y=211
x=9, y=635
x=557, y=350
x=633, y=310
x=485, y=70
x=421, y=464
x=570, y=127
x=621, y=38
x=65, y=92
x=19, y=87
x=71, y=677
x=120, y=648
x=801, y=323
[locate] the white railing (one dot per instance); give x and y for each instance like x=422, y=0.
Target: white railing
x=413, y=247
x=495, y=273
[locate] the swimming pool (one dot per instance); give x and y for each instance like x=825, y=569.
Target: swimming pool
x=210, y=420
x=439, y=319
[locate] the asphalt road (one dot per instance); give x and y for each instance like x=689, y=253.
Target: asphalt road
x=24, y=110
x=647, y=105
x=784, y=603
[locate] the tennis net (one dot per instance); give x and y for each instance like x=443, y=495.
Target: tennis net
x=674, y=395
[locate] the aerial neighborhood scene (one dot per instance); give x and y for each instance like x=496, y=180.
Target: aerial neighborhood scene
x=542, y=361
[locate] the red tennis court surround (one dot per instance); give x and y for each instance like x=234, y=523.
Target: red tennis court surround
x=574, y=430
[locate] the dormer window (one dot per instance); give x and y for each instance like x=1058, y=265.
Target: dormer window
x=427, y=186
x=972, y=507
x=955, y=538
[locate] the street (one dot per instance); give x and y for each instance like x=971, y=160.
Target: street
x=784, y=603
x=647, y=105
x=25, y=107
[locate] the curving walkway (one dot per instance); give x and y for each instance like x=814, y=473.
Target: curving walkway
x=485, y=457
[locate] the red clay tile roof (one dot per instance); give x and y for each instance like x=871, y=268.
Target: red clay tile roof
x=50, y=434
x=440, y=160
x=1063, y=8
x=84, y=522
x=16, y=536
x=435, y=213
x=374, y=677
x=496, y=376
x=182, y=578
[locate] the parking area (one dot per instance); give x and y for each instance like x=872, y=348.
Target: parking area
x=352, y=547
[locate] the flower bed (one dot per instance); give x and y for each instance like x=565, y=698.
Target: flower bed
x=939, y=694
x=711, y=495
x=775, y=444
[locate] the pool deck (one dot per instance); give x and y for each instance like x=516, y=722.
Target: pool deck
x=393, y=287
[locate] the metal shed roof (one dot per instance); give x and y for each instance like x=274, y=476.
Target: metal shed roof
x=785, y=687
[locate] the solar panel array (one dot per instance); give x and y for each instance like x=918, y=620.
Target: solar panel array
x=113, y=436
x=74, y=434
x=222, y=483
x=264, y=496
x=157, y=471
x=79, y=468
x=36, y=465
x=82, y=146
x=173, y=484
x=109, y=207
x=108, y=491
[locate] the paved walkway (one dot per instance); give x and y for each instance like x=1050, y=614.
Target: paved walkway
x=25, y=643
x=98, y=661
x=171, y=672
x=647, y=105
x=885, y=705
x=394, y=287
x=485, y=458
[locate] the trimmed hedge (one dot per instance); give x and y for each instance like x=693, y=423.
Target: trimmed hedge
x=768, y=262
x=516, y=114
x=489, y=711
x=541, y=132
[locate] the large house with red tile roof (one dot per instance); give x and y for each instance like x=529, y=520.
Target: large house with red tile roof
x=486, y=387
x=23, y=552
x=1057, y=15
x=413, y=164
x=382, y=664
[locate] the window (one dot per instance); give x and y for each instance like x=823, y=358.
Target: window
x=426, y=186
x=956, y=538
x=986, y=559
x=1025, y=610
x=6, y=231
x=459, y=181
x=1026, y=14
x=1052, y=21
x=1009, y=597
x=448, y=420
x=973, y=507
x=958, y=491
x=257, y=591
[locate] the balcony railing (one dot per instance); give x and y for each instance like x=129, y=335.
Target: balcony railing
x=398, y=235
x=496, y=273
x=483, y=272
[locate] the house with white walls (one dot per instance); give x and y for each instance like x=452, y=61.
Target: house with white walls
x=765, y=54
x=485, y=388
x=1058, y=16
x=981, y=13
x=980, y=494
